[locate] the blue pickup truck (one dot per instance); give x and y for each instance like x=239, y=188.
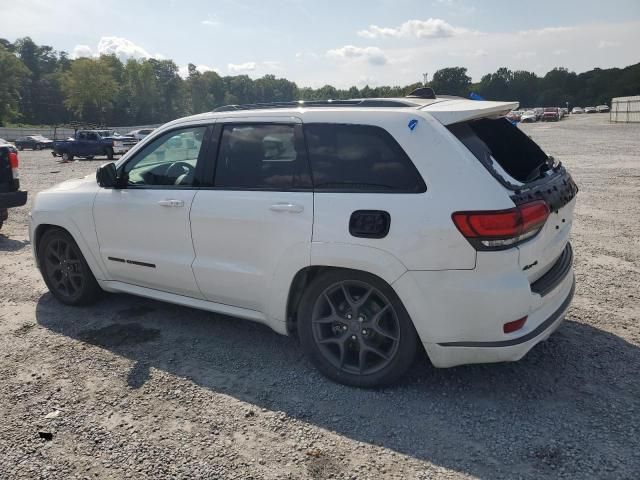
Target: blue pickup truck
x=92, y=143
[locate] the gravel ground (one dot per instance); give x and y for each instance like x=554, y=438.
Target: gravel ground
x=132, y=388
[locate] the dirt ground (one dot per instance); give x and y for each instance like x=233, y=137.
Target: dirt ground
x=132, y=388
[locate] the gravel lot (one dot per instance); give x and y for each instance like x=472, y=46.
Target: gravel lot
x=132, y=388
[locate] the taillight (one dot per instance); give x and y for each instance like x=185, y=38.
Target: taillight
x=500, y=229
x=13, y=163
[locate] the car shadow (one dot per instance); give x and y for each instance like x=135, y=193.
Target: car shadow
x=11, y=245
x=531, y=418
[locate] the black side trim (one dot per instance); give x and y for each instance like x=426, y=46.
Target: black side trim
x=525, y=338
x=142, y=264
x=115, y=259
x=556, y=274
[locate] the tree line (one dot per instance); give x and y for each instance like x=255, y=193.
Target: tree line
x=41, y=86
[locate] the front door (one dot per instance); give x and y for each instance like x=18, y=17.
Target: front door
x=143, y=228
x=252, y=229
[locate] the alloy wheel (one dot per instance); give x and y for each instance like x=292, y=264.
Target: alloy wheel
x=355, y=327
x=64, y=269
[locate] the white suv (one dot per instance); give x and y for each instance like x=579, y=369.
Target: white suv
x=364, y=227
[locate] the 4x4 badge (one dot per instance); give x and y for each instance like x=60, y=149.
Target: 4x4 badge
x=412, y=124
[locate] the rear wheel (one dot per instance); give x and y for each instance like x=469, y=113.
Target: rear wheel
x=355, y=330
x=20, y=147
x=67, y=157
x=64, y=269
x=109, y=153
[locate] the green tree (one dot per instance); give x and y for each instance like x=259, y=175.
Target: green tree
x=451, y=81
x=90, y=89
x=12, y=75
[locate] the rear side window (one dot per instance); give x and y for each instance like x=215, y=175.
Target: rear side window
x=258, y=156
x=498, y=141
x=359, y=158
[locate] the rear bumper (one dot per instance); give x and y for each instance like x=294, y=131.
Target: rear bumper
x=450, y=354
x=459, y=314
x=13, y=199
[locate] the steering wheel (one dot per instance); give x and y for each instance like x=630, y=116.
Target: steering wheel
x=179, y=171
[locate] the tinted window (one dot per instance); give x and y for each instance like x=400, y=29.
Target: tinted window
x=359, y=158
x=168, y=160
x=258, y=156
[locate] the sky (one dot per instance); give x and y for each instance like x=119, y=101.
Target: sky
x=342, y=43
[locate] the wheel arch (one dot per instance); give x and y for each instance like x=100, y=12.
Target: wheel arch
x=301, y=281
x=43, y=228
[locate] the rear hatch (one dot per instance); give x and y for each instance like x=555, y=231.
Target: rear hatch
x=527, y=173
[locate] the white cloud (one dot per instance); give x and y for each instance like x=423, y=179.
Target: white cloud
x=210, y=22
x=430, y=28
x=241, y=67
x=608, y=44
x=560, y=51
x=372, y=55
x=526, y=54
x=81, y=51
x=122, y=48
x=183, y=71
x=272, y=65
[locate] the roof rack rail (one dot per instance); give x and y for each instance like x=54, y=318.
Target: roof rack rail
x=365, y=102
x=423, y=92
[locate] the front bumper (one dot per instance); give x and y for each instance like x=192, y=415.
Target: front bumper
x=13, y=199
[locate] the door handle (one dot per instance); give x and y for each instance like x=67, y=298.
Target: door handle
x=171, y=203
x=286, y=207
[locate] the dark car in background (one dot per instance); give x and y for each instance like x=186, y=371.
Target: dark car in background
x=551, y=114
x=33, y=142
x=92, y=143
x=10, y=193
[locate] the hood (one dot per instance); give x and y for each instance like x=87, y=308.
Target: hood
x=87, y=183
x=457, y=110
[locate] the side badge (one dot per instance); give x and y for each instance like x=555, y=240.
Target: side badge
x=413, y=123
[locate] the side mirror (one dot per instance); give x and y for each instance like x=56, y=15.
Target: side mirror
x=107, y=176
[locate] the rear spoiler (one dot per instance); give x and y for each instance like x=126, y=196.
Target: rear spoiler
x=452, y=111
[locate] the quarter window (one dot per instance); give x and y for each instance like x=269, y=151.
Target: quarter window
x=359, y=158
x=258, y=156
x=168, y=160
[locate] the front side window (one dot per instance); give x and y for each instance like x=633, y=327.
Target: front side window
x=168, y=160
x=359, y=158
x=258, y=156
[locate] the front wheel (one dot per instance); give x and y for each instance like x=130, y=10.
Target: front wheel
x=64, y=269
x=109, y=153
x=67, y=157
x=355, y=330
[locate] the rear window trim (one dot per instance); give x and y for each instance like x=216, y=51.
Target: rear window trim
x=421, y=184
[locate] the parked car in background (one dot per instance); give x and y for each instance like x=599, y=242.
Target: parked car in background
x=92, y=143
x=564, y=110
x=33, y=142
x=10, y=193
x=329, y=222
x=539, y=111
x=140, y=134
x=577, y=111
x=514, y=115
x=602, y=108
x=529, y=116
x=590, y=110
x=551, y=114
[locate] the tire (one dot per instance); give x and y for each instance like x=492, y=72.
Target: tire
x=67, y=157
x=20, y=147
x=64, y=269
x=366, y=340
x=109, y=153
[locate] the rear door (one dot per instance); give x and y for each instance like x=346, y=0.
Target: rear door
x=253, y=224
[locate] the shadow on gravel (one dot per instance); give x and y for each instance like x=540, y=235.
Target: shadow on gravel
x=570, y=406
x=10, y=245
